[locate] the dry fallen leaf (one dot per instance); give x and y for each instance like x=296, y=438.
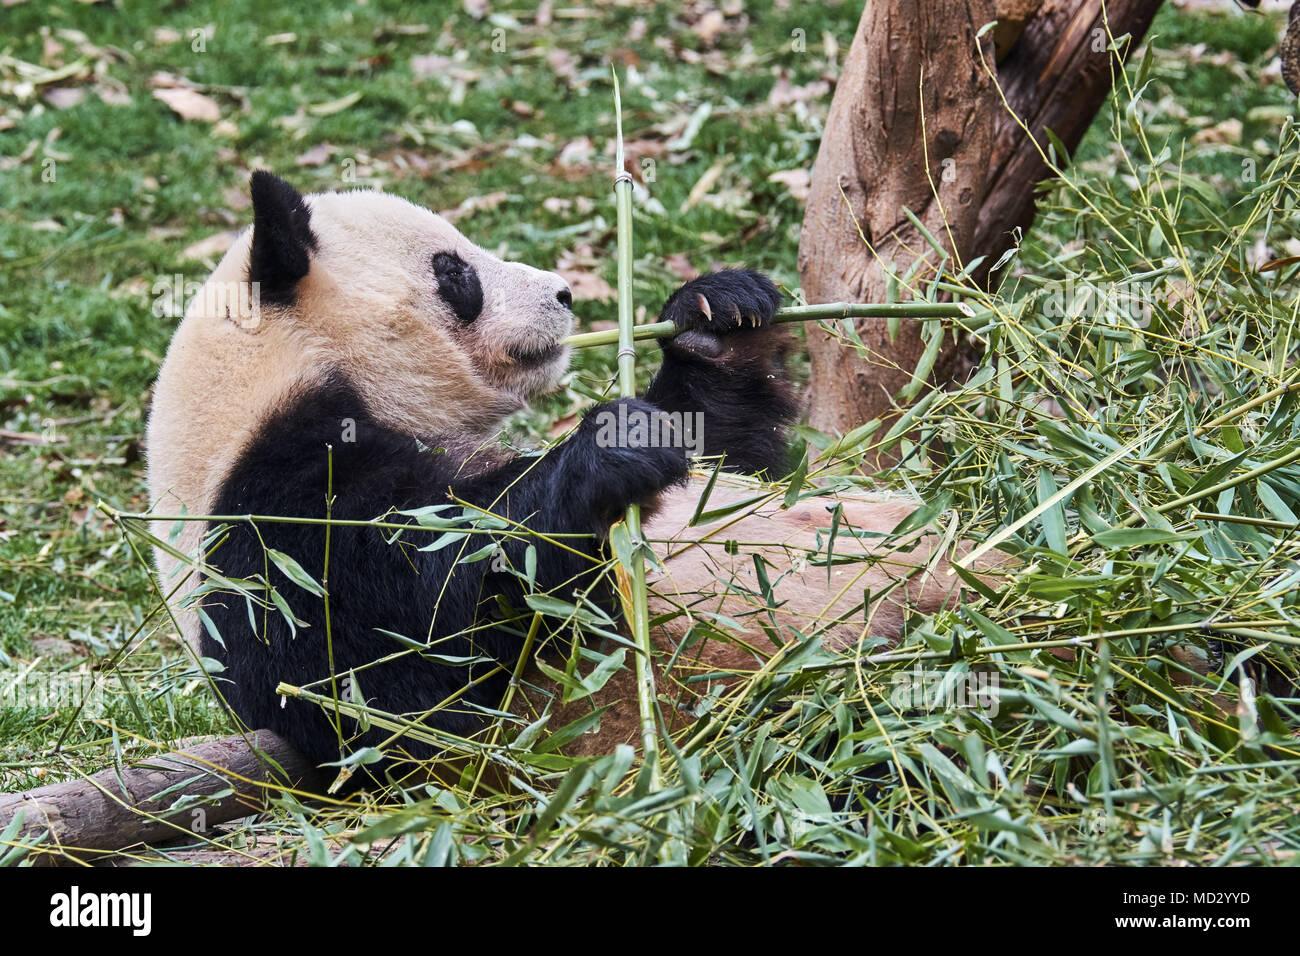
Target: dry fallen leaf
x=784, y=93
x=63, y=97
x=1274, y=264
x=586, y=286
x=562, y=426
x=580, y=205
x=190, y=104
x=795, y=180
x=681, y=267
x=48, y=646
x=331, y=107
x=709, y=26
x=705, y=183
x=136, y=287
x=318, y=155
x=430, y=64
x=211, y=247
x=476, y=204
x=113, y=94
x=576, y=152
x=1228, y=132
x=639, y=156
x=236, y=198
x=565, y=65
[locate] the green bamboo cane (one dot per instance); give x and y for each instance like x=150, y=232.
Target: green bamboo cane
x=797, y=313
x=645, y=677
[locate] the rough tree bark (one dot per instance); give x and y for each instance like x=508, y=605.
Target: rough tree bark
x=1057, y=76
x=910, y=125
x=1056, y=73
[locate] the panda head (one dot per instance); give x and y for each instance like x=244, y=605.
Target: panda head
x=416, y=315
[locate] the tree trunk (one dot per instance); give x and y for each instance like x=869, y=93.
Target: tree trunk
x=1056, y=77
x=1056, y=74
x=910, y=125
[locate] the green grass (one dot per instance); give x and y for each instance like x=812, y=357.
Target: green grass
x=134, y=186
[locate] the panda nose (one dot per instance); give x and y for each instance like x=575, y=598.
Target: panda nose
x=565, y=298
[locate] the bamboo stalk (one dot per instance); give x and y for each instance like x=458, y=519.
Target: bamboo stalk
x=1268, y=523
x=253, y=519
x=645, y=678
x=796, y=313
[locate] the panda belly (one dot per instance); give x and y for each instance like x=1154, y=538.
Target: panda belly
x=375, y=586
x=706, y=575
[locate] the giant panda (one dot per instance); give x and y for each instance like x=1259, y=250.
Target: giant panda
x=368, y=376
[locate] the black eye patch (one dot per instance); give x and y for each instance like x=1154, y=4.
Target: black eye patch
x=458, y=285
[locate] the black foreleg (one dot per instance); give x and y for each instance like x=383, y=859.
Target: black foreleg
x=728, y=366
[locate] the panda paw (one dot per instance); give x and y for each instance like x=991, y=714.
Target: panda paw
x=722, y=302
x=624, y=452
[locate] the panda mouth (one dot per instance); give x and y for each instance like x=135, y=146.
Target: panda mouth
x=535, y=356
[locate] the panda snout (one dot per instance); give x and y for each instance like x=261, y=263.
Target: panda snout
x=565, y=298
x=534, y=355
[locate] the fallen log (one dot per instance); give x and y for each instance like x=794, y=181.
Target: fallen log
x=186, y=793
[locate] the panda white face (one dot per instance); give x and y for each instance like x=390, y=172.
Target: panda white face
x=385, y=272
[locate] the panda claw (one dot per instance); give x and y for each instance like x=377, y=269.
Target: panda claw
x=722, y=302
x=705, y=308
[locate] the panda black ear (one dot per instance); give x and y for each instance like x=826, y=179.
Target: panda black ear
x=282, y=238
